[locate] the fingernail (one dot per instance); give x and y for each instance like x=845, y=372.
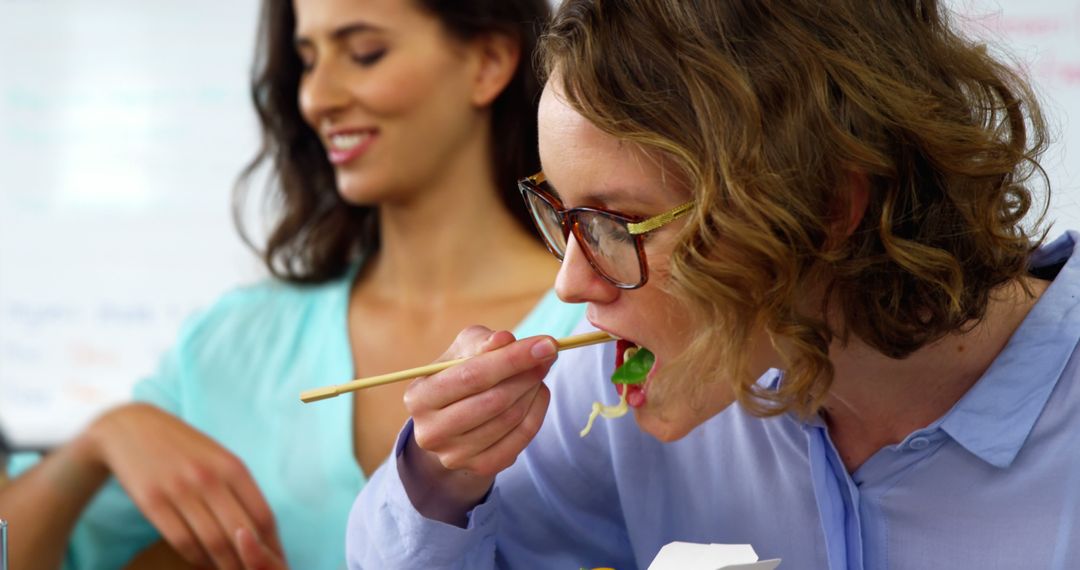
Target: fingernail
x=543, y=349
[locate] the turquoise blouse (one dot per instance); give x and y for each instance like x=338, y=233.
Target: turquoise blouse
x=236, y=373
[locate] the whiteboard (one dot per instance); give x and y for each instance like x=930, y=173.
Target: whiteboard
x=123, y=124
x=1043, y=38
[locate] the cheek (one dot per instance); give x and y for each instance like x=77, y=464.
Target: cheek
x=395, y=93
x=667, y=321
x=412, y=87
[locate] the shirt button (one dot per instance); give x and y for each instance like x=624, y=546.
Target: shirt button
x=919, y=443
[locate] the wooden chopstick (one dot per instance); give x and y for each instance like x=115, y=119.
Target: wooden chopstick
x=325, y=392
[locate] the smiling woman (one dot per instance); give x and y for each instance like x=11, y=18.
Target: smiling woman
x=339, y=85
x=393, y=131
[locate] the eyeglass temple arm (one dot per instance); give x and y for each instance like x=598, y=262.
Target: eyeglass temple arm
x=646, y=226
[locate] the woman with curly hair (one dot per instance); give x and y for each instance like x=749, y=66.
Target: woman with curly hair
x=817, y=216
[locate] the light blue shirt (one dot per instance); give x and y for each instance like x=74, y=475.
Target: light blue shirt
x=993, y=484
x=236, y=374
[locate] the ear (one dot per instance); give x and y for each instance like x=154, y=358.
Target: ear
x=848, y=214
x=859, y=192
x=497, y=56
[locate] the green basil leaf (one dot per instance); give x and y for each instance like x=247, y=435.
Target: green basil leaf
x=635, y=369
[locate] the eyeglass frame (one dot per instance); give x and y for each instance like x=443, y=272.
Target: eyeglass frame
x=636, y=226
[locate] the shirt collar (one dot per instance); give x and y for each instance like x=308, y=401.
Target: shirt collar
x=994, y=418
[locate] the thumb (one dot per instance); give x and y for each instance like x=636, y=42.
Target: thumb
x=476, y=340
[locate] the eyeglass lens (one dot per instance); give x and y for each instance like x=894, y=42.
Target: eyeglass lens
x=549, y=222
x=612, y=248
x=605, y=240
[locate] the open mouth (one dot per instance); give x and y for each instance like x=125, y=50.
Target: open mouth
x=633, y=366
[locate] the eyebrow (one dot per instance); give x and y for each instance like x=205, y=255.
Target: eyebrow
x=612, y=200
x=618, y=199
x=341, y=32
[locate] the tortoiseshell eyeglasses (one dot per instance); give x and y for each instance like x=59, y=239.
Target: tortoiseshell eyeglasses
x=613, y=243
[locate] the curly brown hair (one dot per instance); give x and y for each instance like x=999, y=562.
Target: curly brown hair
x=316, y=235
x=773, y=109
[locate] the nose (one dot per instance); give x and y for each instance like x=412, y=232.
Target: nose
x=578, y=282
x=322, y=94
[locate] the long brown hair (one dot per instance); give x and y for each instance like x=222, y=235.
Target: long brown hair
x=774, y=109
x=316, y=235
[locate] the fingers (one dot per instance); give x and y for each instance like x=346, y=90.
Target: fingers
x=259, y=517
x=481, y=450
x=255, y=555
x=201, y=509
x=224, y=502
x=193, y=490
x=482, y=372
x=178, y=534
x=467, y=343
x=507, y=401
x=177, y=511
x=476, y=340
x=472, y=420
x=505, y=450
x=235, y=501
x=212, y=537
x=494, y=389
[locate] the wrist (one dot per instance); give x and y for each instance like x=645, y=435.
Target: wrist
x=88, y=451
x=436, y=492
x=74, y=472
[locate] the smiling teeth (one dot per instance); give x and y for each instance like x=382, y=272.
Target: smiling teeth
x=349, y=141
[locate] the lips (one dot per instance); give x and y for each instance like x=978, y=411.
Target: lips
x=633, y=366
x=345, y=145
x=635, y=396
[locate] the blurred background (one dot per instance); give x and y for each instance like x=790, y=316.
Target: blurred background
x=123, y=126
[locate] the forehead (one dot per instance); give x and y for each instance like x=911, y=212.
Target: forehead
x=583, y=162
x=317, y=16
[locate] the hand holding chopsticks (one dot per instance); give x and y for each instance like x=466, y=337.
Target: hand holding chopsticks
x=317, y=394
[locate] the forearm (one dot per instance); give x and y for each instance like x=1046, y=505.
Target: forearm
x=43, y=505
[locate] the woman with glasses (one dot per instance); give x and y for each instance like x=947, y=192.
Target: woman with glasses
x=818, y=216
x=395, y=132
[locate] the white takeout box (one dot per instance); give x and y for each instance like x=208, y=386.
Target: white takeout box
x=691, y=556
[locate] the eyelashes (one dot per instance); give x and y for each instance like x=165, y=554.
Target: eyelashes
x=366, y=59
x=370, y=58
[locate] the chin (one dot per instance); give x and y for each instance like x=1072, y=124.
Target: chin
x=359, y=190
x=656, y=425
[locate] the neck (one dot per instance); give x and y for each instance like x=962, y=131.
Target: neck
x=877, y=401
x=452, y=240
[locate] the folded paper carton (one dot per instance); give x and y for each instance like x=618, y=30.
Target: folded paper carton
x=691, y=556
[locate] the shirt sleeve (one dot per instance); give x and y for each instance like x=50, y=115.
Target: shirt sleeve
x=163, y=388
x=385, y=531
x=556, y=507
